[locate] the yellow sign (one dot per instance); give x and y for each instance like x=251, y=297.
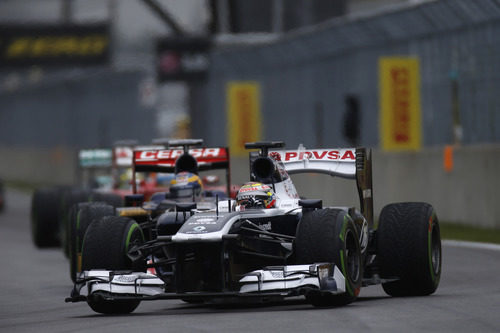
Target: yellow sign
x=400, y=116
x=243, y=115
x=56, y=46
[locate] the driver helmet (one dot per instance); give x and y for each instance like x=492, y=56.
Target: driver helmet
x=255, y=195
x=186, y=185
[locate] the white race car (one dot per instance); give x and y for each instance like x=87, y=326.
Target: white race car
x=267, y=244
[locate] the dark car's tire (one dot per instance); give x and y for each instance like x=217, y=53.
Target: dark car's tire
x=81, y=216
x=2, y=196
x=110, y=198
x=105, y=246
x=45, y=216
x=409, y=248
x=329, y=235
x=70, y=198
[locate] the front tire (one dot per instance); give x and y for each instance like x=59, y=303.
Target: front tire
x=409, y=248
x=329, y=235
x=105, y=246
x=81, y=216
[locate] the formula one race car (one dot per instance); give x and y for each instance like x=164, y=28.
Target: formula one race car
x=184, y=161
x=50, y=205
x=267, y=244
x=100, y=178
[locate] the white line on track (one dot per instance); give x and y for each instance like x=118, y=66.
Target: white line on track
x=473, y=245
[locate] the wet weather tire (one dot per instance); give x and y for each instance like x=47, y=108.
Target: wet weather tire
x=409, y=248
x=329, y=235
x=105, y=246
x=81, y=216
x=44, y=217
x=70, y=198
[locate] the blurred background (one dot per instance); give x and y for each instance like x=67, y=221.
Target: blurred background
x=415, y=80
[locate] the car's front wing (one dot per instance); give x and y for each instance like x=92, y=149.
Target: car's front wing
x=269, y=282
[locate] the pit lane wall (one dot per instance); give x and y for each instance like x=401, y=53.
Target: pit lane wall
x=38, y=166
x=467, y=194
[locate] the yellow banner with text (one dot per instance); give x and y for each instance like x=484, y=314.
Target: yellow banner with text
x=243, y=115
x=400, y=116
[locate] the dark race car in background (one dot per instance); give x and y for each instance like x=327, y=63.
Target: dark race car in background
x=103, y=176
x=185, y=187
x=285, y=247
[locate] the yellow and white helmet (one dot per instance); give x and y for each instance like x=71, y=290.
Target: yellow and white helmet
x=256, y=195
x=185, y=184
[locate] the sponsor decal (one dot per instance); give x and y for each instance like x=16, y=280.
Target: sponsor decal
x=125, y=278
x=54, y=45
x=199, y=228
x=320, y=154
x=151, y=270
x=95, y=158
x=123, y=156
x=243, y=115
x=277, y=274
x=266, y=226
x=203, y=221
x=172, y=154
x=206, y=220
x=400, y=115
x=275, y=155
x=254, y=188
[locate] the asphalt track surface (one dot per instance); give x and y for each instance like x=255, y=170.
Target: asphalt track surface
x=34, y=283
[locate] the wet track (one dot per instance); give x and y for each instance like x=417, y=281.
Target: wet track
x=35, y=282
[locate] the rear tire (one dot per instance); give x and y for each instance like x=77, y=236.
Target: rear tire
x=45, y=217
x=105, y=246
x=329, y=235
x=70, y=198
x=409, y=248
x=81, y=216
x=2, y=196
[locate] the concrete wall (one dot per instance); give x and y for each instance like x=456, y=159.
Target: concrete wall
x=39, y=166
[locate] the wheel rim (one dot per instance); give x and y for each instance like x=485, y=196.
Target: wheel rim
x=435, y=250
x=352, y=256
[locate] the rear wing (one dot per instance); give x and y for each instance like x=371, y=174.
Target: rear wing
x=123, y=155
x=164, y=160
x=334, y=162
x=177, y=160
x=353, y=163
